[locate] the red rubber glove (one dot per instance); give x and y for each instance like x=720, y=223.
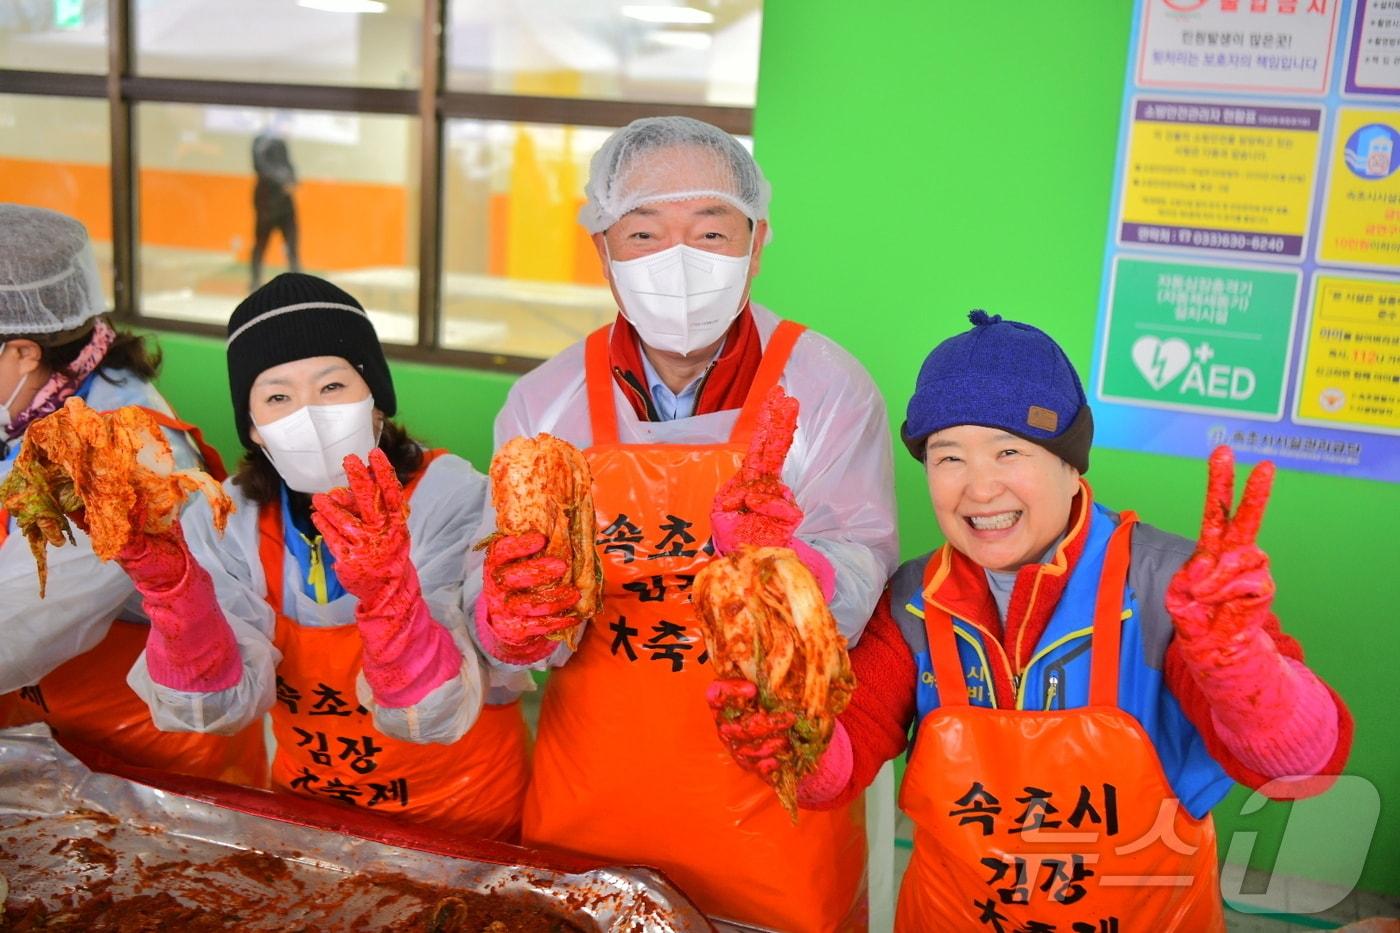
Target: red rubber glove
x=1273, y=712
x=525, y=603
x=765, y=517
x=407, y=654
x=190, y=646
x=757, y=739
x=755, y=507
x=761, y=512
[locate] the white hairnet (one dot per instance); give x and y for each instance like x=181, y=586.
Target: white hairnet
x=48, y=274
x=670, y=159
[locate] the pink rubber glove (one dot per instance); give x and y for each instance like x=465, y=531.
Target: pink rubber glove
x=728, y=530
x=524, y=605
x=833, y=772
x=407, y=654
x=1271, y=711
x=190, y=646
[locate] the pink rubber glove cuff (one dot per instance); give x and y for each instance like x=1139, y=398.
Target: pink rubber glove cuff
x=405, y=662
x=190, y=646
x=816, y=562
x=833, y=771
x=1273, y=713
x=724, y=527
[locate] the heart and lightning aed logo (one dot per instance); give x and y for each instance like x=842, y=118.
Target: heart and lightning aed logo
x=1161, y=361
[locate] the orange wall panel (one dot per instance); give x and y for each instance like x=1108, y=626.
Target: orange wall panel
x=80, y=191
x=342, y=225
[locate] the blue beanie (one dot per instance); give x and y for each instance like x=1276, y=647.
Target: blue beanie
x=1002, y=374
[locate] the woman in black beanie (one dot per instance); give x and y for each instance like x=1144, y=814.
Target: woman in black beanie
x=329, y=602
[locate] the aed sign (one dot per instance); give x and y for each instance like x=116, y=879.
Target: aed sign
x=1210, y=337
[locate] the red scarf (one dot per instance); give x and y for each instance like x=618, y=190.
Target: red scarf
x=62, y=384
x=1037, y=592
x=725, y=384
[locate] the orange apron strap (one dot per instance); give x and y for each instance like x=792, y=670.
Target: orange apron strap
x=213, y=463
x=943, y=650
x=1108, y=614
x=272, y=543
x=4, y=527
x=770, y=370
x=597, y=375
x=428, y=457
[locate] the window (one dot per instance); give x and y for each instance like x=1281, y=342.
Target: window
x=54, y=154
x=446, y=204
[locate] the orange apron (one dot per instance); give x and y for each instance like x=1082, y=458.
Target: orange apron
x=628, y=766
x=328, y=748
x=1062, y=818
x=87, y=697
x=213, y=463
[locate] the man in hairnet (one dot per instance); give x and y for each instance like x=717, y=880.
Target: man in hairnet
x=663, y=401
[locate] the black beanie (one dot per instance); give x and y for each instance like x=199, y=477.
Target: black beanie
x=293, y=317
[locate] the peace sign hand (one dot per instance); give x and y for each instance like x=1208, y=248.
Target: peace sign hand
x=1226, y=585
x=365, y=525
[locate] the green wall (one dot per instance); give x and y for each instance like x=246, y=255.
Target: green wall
x=932, y=157
x=929, y=158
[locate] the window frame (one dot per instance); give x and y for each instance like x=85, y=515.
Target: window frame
x=432, y=103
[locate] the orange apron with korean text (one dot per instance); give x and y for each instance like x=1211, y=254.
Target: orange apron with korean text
x=87, y=697
x=628, y=766
x=328, y=748
x=1062, y=818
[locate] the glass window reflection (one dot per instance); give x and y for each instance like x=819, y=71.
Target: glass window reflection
x=696, y=52
x=54, y=35
x=54, y=154
x=367, y=43
x=329, y=193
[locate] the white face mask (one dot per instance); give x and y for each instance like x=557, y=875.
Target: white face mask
x=681, y=299
x=6, y=416
x=308, y=446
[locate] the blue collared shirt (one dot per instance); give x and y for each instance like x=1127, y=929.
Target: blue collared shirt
x=669, y=405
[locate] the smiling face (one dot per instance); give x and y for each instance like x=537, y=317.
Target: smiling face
x=316, y=380
x=998, y=498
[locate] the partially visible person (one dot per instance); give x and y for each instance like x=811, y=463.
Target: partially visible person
x=1082, y=687
x=65, y=657
x=663, y=402
x=274, y=207
x=335, y=598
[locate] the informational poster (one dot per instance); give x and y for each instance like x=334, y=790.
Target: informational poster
x=1374, y=63
x=1252, y=274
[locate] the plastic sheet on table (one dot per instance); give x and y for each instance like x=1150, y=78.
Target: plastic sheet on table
x=276, y=862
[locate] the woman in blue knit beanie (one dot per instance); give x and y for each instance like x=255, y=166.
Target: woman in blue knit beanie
x=1083, y=688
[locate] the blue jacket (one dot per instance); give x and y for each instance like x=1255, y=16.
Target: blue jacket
x=1057, y=675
